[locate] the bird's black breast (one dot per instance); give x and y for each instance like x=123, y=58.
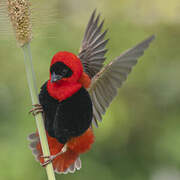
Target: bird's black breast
x=68, y=118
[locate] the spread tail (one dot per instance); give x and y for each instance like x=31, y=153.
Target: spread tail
x=68, y=161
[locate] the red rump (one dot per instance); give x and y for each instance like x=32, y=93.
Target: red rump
x=75, y=147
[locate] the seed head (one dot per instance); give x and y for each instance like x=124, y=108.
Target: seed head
x=19, y=13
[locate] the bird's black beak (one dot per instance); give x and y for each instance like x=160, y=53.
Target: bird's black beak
x=55, y=77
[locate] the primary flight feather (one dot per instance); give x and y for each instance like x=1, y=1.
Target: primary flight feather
x=77, y=94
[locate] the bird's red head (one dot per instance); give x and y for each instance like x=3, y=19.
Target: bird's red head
x=65, y=67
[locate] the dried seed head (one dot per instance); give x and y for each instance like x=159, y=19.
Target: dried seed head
x=19, y=13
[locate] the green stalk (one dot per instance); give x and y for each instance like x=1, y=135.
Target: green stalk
x=34, y=98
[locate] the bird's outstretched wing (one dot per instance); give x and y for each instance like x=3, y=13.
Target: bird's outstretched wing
x=93, y=49
x=105, y=83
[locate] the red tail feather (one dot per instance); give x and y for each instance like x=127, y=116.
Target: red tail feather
x=75, y=147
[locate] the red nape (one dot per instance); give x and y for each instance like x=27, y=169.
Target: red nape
x=85, y=80
x=75, y=147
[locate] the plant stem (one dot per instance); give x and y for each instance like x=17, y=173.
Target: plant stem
x=34, y=98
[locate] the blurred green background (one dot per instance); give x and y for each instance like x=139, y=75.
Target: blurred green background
x=139, y=138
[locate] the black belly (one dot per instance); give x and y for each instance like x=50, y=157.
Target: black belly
x=68, y=118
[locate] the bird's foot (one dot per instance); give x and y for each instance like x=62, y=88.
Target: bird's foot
x=37, y=108
x=52, y=157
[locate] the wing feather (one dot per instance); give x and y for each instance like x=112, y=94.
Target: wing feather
x=106, y=83
x=93, y=49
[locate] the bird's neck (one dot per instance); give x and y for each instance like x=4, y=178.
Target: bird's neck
x=62, y=90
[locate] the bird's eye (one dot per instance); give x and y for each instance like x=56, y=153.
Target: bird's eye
x=64, y=71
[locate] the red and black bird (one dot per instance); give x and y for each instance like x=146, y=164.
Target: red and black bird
x=77, y=94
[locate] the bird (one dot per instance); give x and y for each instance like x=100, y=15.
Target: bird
x=78, y=92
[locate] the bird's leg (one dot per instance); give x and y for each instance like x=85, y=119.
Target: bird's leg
x=36, y=110
x=52, y=157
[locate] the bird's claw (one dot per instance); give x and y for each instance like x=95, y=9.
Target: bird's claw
x=50, y=159
x=36, y=110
